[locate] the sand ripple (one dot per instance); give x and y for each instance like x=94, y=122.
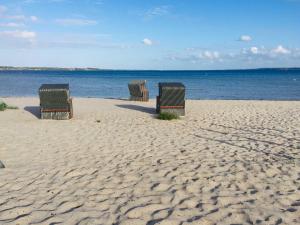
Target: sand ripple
x=227, y=162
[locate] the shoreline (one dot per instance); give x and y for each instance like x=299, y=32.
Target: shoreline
x=153, y=99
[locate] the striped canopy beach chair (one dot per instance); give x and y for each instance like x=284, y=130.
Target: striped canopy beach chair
x=55, y=102
x=171, y=99
x=138, y=91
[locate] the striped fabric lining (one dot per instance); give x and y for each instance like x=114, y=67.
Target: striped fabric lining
x=172, y=97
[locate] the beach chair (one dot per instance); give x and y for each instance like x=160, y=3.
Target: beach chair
x=171, y=99
x=138, y=91
x=55, y=102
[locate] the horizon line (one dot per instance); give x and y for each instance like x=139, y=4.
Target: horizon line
x=7, y=68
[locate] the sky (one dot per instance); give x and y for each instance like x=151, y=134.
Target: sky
x=153, y=34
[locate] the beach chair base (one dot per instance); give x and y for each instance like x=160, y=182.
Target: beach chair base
x=144, y=98
x=177, y=112
x=55, y=115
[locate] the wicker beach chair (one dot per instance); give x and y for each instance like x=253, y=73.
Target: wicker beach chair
x=138, y=91
x=55, y=102
x=171, y=99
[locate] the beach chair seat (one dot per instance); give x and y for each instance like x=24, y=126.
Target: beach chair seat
x=171, y=98
x=138, y=91
x=55, y=102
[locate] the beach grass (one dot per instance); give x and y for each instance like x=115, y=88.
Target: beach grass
x=167, y=116
x=4, y=106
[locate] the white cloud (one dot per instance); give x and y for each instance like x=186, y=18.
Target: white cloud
x=76, y=22
x=271, y=53
x=245, y=38
x=147, y=41
x=3, y=9
x=256, y=55
x=211, y=55
x=157, y=12
x=81, y=44
x=254, y=50
x=28, y=35
x=42, y=1
x=281, y=50
x=96, y=2
x=15, y=17
x=11, y=24
x=33, y=18
x=194, y=55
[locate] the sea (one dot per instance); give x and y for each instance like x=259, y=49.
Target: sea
x=258, y=84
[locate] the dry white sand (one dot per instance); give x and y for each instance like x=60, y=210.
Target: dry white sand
x=226, y=162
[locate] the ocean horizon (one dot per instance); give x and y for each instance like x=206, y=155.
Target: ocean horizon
x=240, y=84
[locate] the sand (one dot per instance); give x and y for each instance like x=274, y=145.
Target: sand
x=226, y=162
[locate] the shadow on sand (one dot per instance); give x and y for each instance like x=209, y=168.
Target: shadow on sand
x=138, y=108
x=34, y=110
x=121, y=99
x=283, y=154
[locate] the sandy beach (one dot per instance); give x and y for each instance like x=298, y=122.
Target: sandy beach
x=226, y=162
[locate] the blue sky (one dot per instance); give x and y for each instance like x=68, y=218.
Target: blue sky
x=137, y=34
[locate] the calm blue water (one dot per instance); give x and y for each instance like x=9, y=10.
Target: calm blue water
x=244, y=84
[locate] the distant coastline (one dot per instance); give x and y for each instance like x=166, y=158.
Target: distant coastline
x=12, y=68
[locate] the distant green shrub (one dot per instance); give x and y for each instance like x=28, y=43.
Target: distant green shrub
x=4, y=106
x=12, y=107
x=167, y=116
